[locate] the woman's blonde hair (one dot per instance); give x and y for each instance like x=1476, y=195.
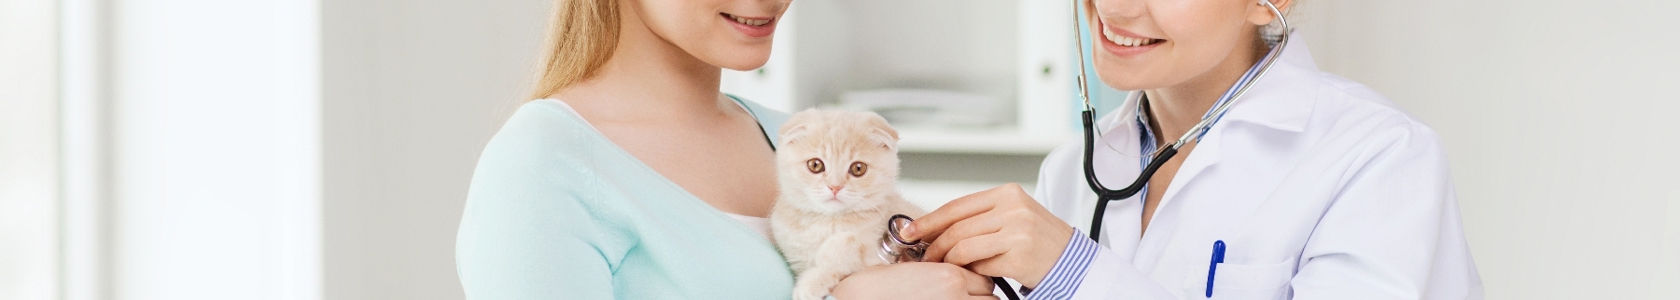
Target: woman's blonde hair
x=581, y=37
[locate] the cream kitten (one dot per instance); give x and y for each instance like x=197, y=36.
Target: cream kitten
x=837, y=171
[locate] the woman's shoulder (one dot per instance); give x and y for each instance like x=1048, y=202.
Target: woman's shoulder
x=1347, y=102
x=543, y=143
x=543, y=117
x=1350, y=110
x=543, y=127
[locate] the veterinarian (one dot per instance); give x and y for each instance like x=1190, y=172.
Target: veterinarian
x=1309, y=186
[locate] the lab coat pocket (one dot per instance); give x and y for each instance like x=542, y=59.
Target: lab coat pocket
x=1243, y=281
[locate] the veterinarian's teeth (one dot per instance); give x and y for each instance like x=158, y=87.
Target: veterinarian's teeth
x=1118, y=39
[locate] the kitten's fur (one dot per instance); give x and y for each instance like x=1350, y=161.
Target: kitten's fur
x=827, y=234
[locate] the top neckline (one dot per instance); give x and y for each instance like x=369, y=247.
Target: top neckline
x=759, y=224
x=745, y=222
x=738, y=103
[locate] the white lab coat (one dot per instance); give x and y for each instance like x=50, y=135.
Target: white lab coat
x=1319, y=187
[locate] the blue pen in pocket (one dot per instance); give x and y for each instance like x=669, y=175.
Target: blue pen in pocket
x=1213, y=264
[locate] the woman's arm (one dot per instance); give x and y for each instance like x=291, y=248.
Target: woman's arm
x=915, y=280
x=514, y=245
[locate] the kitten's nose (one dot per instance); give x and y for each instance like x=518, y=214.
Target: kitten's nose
x=835, y=189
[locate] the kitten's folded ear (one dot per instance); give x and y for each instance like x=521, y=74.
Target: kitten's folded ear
x=882, y=132
x=796, y=126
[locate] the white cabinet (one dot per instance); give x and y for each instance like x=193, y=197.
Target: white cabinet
x=1015, y=50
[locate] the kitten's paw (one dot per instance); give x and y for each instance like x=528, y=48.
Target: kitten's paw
x=808, y=291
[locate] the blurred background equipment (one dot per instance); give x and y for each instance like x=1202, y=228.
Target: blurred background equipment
x=320, y=149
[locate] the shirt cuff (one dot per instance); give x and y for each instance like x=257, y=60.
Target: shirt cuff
x=1069, y=271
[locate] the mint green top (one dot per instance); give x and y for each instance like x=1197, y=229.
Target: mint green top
x=557, y=211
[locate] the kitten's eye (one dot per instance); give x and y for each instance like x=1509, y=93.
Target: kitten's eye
x=815, y=165
x=858, y=168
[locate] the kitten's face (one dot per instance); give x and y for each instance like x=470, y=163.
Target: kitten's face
x=837, y=161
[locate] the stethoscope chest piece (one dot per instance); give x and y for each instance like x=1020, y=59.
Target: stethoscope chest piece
x=894, y=248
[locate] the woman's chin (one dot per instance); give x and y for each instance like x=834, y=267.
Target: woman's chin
x=1130, y=76
x=1133, y=79
x=741, y=59
x=741, y=67
x=1127, y=84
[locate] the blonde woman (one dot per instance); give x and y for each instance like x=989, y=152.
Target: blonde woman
x=632, y=177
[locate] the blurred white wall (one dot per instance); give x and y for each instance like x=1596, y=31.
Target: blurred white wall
x=412, y=90
x=1559, y=118
x=214, y=126
x=28, y=150
x=273, y=149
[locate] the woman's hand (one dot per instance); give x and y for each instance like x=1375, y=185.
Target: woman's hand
x=997, y=232
x=915, y=280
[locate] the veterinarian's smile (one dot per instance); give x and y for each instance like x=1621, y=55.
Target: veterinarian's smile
x=1121, y=42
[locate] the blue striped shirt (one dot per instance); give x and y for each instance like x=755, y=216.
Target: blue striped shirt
x=1069, y=271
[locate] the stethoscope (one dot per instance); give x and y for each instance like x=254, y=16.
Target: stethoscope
x=1160, y=157
x=895, y=249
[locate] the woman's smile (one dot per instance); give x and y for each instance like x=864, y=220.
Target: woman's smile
x=756, y=27
x=1125, y=43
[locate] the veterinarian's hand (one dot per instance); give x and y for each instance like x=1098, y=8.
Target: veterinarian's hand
x=996, y=232
x=916, y=280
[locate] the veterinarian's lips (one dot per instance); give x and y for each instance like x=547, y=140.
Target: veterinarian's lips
x=1123, y=39
x=1122, y=43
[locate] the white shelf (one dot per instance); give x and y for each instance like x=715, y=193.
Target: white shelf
x=992, y=141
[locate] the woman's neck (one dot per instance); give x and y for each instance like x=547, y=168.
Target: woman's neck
x=1173, y=110
x=648, y=79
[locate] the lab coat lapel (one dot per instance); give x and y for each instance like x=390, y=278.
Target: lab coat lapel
x=1282, y=100
x=1165, y=221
